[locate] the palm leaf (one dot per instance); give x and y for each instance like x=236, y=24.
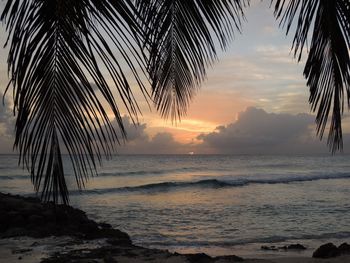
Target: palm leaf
x=328, y=63
x=57, y=55
x=181, y=40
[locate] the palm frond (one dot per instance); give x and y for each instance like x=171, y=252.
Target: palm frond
x=181, y=40
x=57, y=55
x=328, y=63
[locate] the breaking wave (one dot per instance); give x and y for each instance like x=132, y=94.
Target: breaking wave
x=214, y=183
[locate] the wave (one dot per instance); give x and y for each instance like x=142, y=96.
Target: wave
x=245, y=241
x=150, y=172
x=213, y=183
x=13, y=177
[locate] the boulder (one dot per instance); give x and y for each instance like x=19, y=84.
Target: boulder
x=28, y=216
x=109, y=259
x=36, y=220
x=328, y=250
x=104, y=225
x=199, y=258
x=344, y=248
x=230, y=258
x=296, y=247
x=13, y=232
x=18, y=220
x=49, y=215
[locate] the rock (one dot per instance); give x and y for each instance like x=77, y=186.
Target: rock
x=48, y=215
x=35, y=220
x=118, y=237
x=296, y=247
x=89, y=227
x=13, y=232
x=86, y=261
x=104, y=225
x=18, y=220
x=30, y=209
x=62, y=216
x=344, y=248
x=116, y=241
x=22, y=216
x=289, y=247
x=21, y=251
x=199, y=258
x=328, y=250
x=231, y=258
x=12, y=202
x=109, y=259
x=274, y=248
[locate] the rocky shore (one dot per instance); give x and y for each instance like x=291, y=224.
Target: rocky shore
x=24, y=217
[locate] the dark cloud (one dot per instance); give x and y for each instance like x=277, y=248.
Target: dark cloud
x=259, y=132
x=134, y=131
x=139, y=142
x=254, y=132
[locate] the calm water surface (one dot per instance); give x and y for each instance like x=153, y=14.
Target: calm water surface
x=216, y=204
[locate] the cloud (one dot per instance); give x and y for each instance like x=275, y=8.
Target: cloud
x=254, y=132
x=133, y=131
x=259, y=132
x=139, y=142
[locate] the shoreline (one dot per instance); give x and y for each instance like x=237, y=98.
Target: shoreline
x=34, y=232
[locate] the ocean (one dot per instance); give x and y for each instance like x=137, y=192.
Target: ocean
x=217, y=204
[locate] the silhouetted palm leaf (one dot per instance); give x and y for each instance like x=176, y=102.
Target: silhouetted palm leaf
x=328, y=64
x=181, y=44
x=58, y=51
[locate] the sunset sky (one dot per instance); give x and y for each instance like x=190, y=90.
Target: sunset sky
x=254, y=100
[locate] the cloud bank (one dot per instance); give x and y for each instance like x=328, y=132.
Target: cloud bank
x=254, y=132
x=259, y=132
x=139, y=142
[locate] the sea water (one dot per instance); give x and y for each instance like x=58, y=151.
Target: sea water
x=218, y=204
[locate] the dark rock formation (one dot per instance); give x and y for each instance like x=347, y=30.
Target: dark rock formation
x=344, y=249
x=289, y=247
x=199, y=258
x=328, y=250
x=232, y=258
x=272, y=248
x=293, y=247
x=22, y=216
x=204, y=258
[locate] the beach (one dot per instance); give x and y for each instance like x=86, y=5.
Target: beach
x=212, y=205
x=35, y=232
x=141, y=255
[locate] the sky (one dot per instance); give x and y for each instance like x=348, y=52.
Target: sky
x=253, y=101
